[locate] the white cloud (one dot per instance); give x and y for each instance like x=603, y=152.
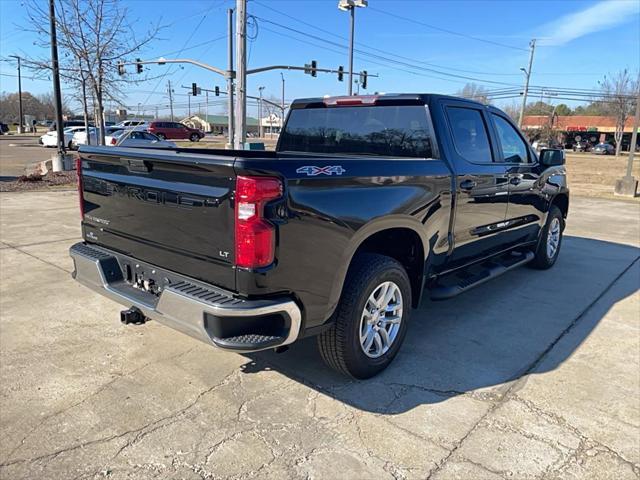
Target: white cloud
x=601, y=16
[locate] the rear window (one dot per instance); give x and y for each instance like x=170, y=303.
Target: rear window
x=395, y=131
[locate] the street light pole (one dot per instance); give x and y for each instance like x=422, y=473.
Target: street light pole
x=351, y=5
x=20, y=112
x=352, y=14
x=527, y=72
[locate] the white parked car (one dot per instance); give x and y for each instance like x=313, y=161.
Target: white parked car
x=132, y=123
x=80, y=137
x=136, y=138
x=50, y=139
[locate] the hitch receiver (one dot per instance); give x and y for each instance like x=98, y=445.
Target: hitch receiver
x=132, y=316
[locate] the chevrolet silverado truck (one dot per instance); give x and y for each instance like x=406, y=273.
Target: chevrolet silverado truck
x=367, y=204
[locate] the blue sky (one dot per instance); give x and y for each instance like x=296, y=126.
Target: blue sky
x=578, y=43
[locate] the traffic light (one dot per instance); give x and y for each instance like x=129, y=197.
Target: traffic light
x=138, y=65
x=363, y=79
x=194, y=89
x=314, y=66
x=217, y=91
x=121, y=70
x=340, y=73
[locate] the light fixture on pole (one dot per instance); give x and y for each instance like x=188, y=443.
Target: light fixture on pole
x=351, y=5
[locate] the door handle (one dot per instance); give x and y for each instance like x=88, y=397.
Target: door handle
x=515, y=180
x=467, y=184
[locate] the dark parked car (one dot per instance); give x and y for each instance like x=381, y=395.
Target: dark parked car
x=4, y=128
x=366, y=203
x=604, y=149
x=175, y=130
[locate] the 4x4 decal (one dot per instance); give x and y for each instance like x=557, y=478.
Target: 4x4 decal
x=312, y=170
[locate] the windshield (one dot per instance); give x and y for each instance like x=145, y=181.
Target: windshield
x=389, y=130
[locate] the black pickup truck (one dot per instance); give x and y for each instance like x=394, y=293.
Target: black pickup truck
x=366, y=203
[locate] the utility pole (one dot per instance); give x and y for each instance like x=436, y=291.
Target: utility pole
x=241, y=78
x=58, y=160
x=230, y=105
x=260, y=132
x=527, y=73
x=20, y=112
x=170, y=98
x=628, y=185
x=189, y=99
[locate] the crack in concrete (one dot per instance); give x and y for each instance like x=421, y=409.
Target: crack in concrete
x=518, y=380
x=108, y=439
x=87, y=397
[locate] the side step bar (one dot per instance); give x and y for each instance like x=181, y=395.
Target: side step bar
x=456, y=283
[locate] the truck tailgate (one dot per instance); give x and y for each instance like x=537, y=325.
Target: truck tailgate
x=171, y=209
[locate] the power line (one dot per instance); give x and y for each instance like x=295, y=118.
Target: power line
x=444, y=30
x=383, y=58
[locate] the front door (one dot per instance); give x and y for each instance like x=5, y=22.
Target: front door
x=481, y=183
x=525, y=212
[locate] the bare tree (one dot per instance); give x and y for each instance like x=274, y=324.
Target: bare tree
x=475, y=92
x=93, y=35
x=618, y=100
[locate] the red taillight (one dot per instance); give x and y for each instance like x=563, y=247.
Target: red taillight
x=255, y=236
x=113, y=140
x=80, y=192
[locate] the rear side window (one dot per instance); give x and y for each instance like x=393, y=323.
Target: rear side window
x=470, y=134
x=385, y=130
x=514, y=150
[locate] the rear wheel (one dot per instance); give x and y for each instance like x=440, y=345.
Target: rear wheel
x=161, y=136
x=548, y=247
x=194, y=137
x=370, y=322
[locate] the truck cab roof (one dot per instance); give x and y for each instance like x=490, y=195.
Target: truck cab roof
x=376, y=99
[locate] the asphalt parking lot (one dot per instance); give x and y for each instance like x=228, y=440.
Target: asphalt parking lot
x=533, y=375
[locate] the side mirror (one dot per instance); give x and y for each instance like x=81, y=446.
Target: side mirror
x=551, y=157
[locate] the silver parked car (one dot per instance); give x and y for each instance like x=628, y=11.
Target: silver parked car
x=137, y=138
x=604, y=149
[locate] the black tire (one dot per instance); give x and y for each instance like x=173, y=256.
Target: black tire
x=161, y=136
x=340, y=346
x=194, y=137
x=542, y=260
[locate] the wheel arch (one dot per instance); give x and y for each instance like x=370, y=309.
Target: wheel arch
x=402, y=240
x=561, y=200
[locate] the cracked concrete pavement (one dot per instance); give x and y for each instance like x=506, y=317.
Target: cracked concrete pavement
x=533, y=375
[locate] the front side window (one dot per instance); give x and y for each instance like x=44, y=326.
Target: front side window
x=382, y=130
x=470, y=134
x=514, y=149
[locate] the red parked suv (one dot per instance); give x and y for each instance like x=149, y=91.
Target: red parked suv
x=174, y=130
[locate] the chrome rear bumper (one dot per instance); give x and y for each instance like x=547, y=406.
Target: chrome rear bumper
x=201, y=311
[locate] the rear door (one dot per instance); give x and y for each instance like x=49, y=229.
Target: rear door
x=525, y=211
x=481, y=183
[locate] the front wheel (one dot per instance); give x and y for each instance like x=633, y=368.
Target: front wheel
x=370, y=322
x=548, y=247
x=194, y=137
